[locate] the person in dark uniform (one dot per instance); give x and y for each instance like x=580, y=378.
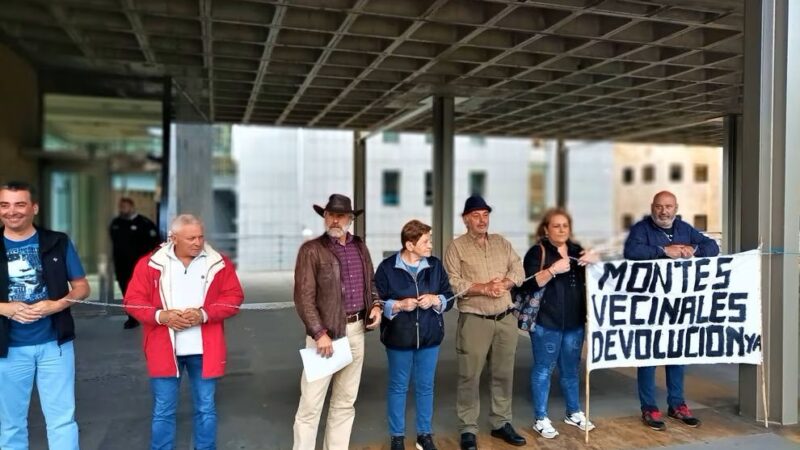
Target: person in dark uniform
x=132, y=236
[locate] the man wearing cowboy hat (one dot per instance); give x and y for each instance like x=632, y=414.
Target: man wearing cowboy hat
x=485, y=267
x=335, y=297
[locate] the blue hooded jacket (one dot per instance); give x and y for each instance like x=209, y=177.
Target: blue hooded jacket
x=646, y=240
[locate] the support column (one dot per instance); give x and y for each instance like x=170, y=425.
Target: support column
x=561, y=174
x=192, y=172
x=162, y=220
x=443, y=164
x=731, y=173
x=360, y=182
x=768, y=207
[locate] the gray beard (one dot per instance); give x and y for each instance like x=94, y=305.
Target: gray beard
x=658, y=222
x=336, y=233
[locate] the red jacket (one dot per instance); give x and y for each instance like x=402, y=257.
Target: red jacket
x=149, y=290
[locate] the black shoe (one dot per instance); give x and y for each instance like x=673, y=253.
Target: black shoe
x=396, y=443
x=683, y=414
x=508, y=434
x=130, y=323
x=653, y=419
x=468, y=441
x=425, y=442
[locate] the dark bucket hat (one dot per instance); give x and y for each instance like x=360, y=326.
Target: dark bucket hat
x=475, y=203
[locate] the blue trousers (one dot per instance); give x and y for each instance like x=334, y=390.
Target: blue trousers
x=402, y=364
x=165, y=404
x=53, y=367
x=551, y=348
x=646, y=379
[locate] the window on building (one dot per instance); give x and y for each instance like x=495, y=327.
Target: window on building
x=428, y=188
x=649, y=173
x=477, y=183
x=701, y=173
x=627, y=222
x=391, y=187
x=536, y=191
x=627, y=175
x=477, y=139
x=429, y=138
x=391, y=137
x=675, y=172
x=701, y=222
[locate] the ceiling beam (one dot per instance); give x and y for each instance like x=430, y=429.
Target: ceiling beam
x=266, y=55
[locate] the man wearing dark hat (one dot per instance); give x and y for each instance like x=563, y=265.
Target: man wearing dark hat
x=486, y=267
x=335, y=297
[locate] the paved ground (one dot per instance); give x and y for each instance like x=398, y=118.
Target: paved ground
x=258, y=397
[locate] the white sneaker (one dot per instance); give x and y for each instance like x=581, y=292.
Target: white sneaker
x=545, y=428
x=578, y=419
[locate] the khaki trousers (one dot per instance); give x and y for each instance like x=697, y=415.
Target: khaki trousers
x=341, y=411
x=479, y=340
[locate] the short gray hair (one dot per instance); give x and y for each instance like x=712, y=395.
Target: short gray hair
x=183, y=220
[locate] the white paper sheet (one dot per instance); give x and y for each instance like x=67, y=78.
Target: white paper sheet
x=317, y=367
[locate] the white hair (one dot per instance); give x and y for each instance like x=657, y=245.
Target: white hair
x=183, y=220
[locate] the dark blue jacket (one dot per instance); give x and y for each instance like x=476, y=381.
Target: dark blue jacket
x=646, y=240
x=53, y=255
x=422, y=327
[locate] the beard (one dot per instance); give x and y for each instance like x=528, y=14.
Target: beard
x=663, y=223
x=337, y=232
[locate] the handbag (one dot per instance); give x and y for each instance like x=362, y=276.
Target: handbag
x=527, y=303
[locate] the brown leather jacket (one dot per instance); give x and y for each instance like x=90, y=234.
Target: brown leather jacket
x=318, y=287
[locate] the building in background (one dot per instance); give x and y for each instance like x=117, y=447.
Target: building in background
x=263, y=204
x=693, y=174
x=304, y=166
x=611, y=186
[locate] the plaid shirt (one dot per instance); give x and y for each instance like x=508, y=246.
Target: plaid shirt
x=467, y=263
x=352, y=272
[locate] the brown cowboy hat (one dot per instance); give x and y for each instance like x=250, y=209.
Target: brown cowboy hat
x=338, y=203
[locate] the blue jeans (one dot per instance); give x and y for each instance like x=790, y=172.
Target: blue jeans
x=402, y=363
x=165, y=403
x=646, y=379
x=551, y=347
x=53, y=366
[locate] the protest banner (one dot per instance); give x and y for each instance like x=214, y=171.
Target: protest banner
x=674, y=312
x=684, y=311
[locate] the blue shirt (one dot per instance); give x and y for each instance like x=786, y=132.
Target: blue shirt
x=26, y=284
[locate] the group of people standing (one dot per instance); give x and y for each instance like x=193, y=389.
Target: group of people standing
x=183, y=291
x=180, y=292
x=337, y=297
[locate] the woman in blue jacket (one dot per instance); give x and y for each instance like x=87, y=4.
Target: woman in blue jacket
x=557, y=265
x=416, y=291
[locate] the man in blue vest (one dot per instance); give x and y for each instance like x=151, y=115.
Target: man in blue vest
x=39, y=273
x=663, y=234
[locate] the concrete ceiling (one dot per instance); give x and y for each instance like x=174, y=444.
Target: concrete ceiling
x=590, y=69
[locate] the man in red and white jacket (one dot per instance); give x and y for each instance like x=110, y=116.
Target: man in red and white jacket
x=181, y=294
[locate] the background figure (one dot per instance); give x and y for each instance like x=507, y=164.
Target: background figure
x=557, y=338
x=132, y=236
x=415, y=289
